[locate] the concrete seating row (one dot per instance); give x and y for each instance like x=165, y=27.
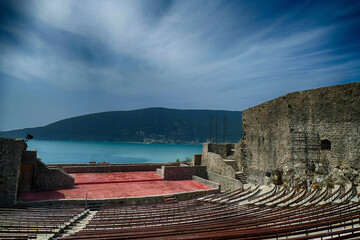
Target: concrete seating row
x=241, y=214
x=27, y=223
x=269, y=226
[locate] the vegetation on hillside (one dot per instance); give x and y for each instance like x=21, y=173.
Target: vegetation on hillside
x=151, y=125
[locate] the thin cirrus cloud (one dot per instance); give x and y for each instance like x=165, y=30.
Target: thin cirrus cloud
x=182, y=54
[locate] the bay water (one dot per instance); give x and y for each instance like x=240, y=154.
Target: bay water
x=52, y=152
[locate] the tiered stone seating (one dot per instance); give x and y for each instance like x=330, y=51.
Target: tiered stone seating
x=305, y=198
x=234, y=215
x=318, y=198
x=262, y=197
x=28, y=223
x=332, y=196
x=279, y=194
x=350, y=193
x=225, y=196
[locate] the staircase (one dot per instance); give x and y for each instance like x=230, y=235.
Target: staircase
x=231, y=153
x=238, y=174
x=170, y=199
x=95, y=205
x=79, y=224
x=241, y=176
x=232, y=163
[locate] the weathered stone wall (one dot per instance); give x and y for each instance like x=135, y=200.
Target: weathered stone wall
x=51, y=178
x=226, y=183
x=197, y=159
x=182, y=172
x=10, y=159
x=215, y=163
x=223, y=149
x=332, y=112
x=199, y=171
x=93, y=168
x=265, y=142
x=217, y=169
x=176, y=173
x=27, y=171
x=207, y=182
x=126, y=201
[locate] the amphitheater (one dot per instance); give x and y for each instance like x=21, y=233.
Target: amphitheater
x=293, y=175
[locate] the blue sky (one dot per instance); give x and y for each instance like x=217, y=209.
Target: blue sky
x=62, y=58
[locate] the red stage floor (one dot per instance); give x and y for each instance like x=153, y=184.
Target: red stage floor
x=116, y=185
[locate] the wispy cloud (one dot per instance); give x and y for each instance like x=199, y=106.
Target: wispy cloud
x=184, y=54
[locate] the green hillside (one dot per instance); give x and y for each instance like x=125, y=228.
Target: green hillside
x=150, y=125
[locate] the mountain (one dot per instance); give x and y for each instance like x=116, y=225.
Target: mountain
x=150, y=125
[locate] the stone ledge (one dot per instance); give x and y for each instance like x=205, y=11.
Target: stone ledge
x=206, y=182
x=224, y=181
x=128, y=200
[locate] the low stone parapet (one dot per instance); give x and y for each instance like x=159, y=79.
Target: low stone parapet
x=94, y=168
x=126, y=200
x=182, y=172
x=51, y=178
x=206, y=182
x=225, y=182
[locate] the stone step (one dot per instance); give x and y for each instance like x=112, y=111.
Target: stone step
x=170, y=199
x=232, y=163
x=95, y=205
x=241, y=176
x=229, y=161
x=230, y=155
x=79, y=224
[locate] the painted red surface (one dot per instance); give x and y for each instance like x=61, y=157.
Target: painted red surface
x=116, y=185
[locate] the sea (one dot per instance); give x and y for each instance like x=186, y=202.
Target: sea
x=52, y=152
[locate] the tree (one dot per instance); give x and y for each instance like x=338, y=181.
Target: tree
x=28, y=137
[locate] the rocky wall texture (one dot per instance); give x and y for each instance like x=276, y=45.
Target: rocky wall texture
x=226, y=183
x=215, y=163
x=199, y=171
x=330, y=115
x=223, y=149
x=182, y=172
x=207, y=182
x=197, y=160
x=27, y=170
x=10, y=160
x=51, y=178
x=176, y=173
x=217, y=169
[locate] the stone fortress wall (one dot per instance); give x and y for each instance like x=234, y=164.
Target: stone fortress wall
x=308, y=135
x=314, y=133
x=10, y=161
x=22, y=171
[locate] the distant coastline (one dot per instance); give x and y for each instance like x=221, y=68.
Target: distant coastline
x=90, y=141
x=149, y=126
x=60, y=151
